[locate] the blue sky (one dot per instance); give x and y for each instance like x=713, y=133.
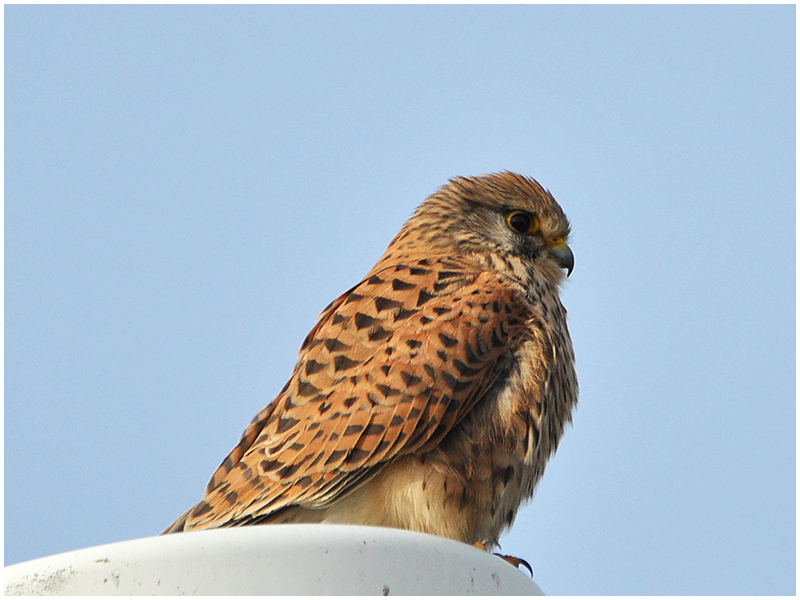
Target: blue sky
x=187, y=187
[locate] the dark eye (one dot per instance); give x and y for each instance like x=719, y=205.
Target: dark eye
x=522, y=222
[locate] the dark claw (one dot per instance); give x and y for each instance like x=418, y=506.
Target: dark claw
x=516, y=562
x=525, y=564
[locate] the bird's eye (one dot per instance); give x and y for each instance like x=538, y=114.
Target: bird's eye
x=522, y=222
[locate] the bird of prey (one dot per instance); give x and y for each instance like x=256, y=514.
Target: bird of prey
x=431, y=394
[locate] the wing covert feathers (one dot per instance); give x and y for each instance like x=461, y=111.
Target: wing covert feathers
x=390, y=367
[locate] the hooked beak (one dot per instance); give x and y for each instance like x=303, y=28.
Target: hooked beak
x=562, y=255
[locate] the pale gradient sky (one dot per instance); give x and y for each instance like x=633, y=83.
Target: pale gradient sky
x=186, y=187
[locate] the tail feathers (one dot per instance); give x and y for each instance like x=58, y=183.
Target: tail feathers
x=179, y=524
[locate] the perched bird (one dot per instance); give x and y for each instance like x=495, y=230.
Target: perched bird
x=431, y=394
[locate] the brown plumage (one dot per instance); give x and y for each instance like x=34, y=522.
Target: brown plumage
x=430, y=395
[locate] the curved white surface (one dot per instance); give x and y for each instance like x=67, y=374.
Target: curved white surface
x=273, y=560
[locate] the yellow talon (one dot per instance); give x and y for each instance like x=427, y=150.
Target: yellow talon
x=512, y=560
x=516, y=562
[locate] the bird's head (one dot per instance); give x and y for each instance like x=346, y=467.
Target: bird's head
x=503, y=213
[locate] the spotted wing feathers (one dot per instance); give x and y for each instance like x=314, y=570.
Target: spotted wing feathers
x=391, y=366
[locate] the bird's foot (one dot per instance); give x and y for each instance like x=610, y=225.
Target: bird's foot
x=516, y=562
x=512, y=560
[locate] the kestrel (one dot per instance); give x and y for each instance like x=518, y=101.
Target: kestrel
x=431, y=394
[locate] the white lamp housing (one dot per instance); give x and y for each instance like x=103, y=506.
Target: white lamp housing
x=274, y=560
